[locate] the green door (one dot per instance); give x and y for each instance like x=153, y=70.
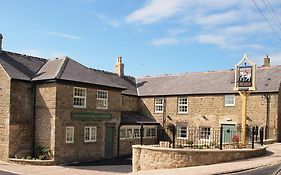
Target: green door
x=109, y=142
x=228, y=132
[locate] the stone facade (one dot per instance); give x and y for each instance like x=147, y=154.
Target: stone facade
x=210, y=111
x=37, y=106
x=21, y=117
x=80, y=150
x=45, y=106
x=5, y=90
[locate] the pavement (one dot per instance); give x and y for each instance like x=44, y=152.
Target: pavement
x=272, y=157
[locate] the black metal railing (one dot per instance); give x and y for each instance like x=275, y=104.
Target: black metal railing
x=206, y=138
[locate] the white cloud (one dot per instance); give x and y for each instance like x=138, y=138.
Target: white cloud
x=247, y=28
x=218, y=18
x=164, y=41
x=233, y=25
x=211, y=39
x=156, y=10
x=64, y=35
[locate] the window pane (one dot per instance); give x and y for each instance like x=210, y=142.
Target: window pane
x=136, y=133
x=79, y=97
x=93, y=133
x=205, y=133
x=69, y=134
x=182, y=132
x=102, y=99
x=87, y=134
x=122, y=133
x=159, y=103
x=229, y=100
x=182, y=105
x=129, y=133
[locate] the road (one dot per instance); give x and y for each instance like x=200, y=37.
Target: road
x=6, y=173
x=268, y=170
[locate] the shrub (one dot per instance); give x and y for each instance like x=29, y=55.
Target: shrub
x=43, y=153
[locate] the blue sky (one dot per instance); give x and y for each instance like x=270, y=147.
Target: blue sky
x=153, y=36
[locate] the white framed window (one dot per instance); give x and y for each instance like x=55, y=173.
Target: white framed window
x=150, y=132
x=137, y=133
x=205, y=133
x=182, y=132
x=79, y=97
x=229, y=100
x=182, y=105
x=134, y=132
x=123, y=133
x=130, y=133
x=90, y=134
x=69, y=134
x=159, y=105
x=102, y=99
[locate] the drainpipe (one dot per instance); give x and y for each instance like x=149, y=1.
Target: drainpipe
x=118, y=140
x=267, y=96
x=33, y=118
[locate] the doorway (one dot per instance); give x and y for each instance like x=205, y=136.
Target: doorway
x=109, y=141
x=229, y=130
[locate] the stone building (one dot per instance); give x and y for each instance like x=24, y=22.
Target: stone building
x=85, y=114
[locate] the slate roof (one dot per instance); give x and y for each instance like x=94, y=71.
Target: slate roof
x=30, y=68
x=20, y=66
x=135, y=117
x=68, y=69
x=217, y=82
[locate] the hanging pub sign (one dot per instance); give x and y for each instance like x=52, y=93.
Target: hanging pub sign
x=245, y=75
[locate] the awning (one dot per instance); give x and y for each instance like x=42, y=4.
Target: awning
x=136, y=118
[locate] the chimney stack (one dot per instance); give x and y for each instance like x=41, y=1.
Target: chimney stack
x=1, y=37
x=119, y=67
x=266, y=61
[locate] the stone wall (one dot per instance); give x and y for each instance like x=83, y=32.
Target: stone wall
x=210, y=111
x=80, y=150
x=45, y=115
x=5, y=90
x=147, y=158
x=21, y=117
x=130, y=103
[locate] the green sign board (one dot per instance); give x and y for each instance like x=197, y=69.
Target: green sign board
x=90, y=116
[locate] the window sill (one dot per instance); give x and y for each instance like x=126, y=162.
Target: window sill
x=90, y=141
x=182, y=113
x=229, y=105
x=158, y=113
x=102, y=108
x=80, y=107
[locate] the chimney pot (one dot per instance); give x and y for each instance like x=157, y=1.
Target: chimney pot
x=266, y=61
x=119, y=67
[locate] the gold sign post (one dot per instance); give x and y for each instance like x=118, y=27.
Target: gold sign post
x=245, y=83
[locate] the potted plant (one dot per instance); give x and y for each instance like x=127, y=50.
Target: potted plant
x=235, y=141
